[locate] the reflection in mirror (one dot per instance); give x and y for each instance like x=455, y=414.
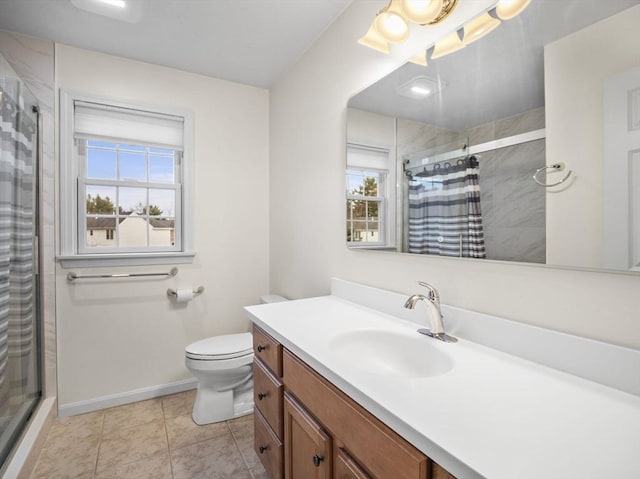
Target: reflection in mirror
x=441, y=158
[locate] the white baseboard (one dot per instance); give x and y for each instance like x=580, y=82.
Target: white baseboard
x=90, y=405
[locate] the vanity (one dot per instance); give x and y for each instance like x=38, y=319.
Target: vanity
x=345, y=388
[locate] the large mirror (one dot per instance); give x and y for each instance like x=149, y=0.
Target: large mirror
x=441, y=158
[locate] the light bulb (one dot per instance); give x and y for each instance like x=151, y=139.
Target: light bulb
x=449, y=44
x=507, y=9
x=422, y=11
x=479, y=27
x=391, y=26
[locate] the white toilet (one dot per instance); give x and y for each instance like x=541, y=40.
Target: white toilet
x=223, y=366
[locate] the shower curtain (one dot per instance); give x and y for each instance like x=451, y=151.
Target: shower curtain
x=18, y=133
x=444, y=211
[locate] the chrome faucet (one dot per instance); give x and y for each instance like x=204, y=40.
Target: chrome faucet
x=434, y=314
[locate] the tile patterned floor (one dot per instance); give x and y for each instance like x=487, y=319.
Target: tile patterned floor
x=155, y=439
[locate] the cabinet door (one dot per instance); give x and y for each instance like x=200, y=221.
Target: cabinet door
x=307, y=448
x=347, y=468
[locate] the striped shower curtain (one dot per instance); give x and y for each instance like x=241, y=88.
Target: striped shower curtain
x=444, y=211
x=17, y=195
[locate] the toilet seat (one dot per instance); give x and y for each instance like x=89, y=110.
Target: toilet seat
x=219, y=348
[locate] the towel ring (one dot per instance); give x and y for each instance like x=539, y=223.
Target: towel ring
x=555, y=166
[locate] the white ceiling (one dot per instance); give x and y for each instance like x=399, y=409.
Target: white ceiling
x=247, y=41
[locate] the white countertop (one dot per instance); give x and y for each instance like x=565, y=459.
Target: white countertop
x=492, y=415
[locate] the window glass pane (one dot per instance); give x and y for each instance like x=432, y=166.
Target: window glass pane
x=101, y=163
x=133, y=166
x=133, y=148
x=162, y=151
x=102, y=144
x=101, y=232
x=161, y=232
x=161, y=169
x=372, y=210
x=133, y=232
x=100, y=199
x=132, y=200
x=361, y=182
x=162, y=202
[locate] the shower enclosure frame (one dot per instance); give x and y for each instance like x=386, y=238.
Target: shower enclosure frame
x=19, y=417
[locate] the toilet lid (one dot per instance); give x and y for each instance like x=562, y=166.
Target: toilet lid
x=227, y=346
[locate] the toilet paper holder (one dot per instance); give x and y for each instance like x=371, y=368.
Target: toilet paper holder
x=173, y=292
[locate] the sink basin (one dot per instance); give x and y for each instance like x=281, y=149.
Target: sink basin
x=388, y=353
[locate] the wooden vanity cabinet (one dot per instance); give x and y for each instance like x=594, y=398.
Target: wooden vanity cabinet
x=267, y=397
x=346, y=467
x=306, y=428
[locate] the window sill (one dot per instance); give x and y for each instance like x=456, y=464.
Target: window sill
x=124, y=259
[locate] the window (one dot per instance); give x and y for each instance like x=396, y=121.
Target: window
x=370, y=212
x=365, y=208
x=125, y=183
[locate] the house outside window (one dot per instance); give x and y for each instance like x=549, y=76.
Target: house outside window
x=126, y=180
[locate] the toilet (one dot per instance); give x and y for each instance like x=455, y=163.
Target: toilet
x=223, y=366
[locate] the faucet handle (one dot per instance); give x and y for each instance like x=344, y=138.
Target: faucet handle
x=433, y=292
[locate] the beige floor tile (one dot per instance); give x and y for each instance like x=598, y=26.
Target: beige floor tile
x=259, y=473
x=240, y=423
x=67, y=459
x=157, y=466
x=130, y=415
x=132, y=444
x=76, y=427
x=182, y=431
x=216, y=458
x=178, y=404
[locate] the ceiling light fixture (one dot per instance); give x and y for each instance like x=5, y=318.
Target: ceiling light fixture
x=391, y=25
x=419, y=88
x=115, y=3
x=125, y=10
x=449, y=44
x=479, y=27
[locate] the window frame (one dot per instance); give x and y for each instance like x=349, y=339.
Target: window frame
x=387, y=207
x=71, y=252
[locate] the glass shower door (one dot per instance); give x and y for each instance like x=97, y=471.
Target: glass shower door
x=20, y=382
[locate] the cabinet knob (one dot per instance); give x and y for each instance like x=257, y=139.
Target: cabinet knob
x=261, y=348
x=262, y=449
x=317, y=460
x=261, y=396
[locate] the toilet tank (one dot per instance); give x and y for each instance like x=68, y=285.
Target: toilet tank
x=272, y=298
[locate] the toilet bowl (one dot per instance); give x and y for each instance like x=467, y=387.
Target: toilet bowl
x=223, y=366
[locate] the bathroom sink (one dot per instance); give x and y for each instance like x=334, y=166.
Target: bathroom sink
x=388, y=353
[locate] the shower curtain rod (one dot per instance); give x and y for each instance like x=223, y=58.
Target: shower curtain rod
x=476, y=149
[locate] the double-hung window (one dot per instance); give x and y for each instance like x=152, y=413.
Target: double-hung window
x=369, y=181
x=125, y=183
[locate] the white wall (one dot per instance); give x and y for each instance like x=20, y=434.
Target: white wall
x=575, y=68
x=120, y=335
x=308, y=115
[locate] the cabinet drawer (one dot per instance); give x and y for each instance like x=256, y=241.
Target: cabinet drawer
x=269, y=448
x=268, y=350
x=384, y=452
x=267, y=396
x=347, y=468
